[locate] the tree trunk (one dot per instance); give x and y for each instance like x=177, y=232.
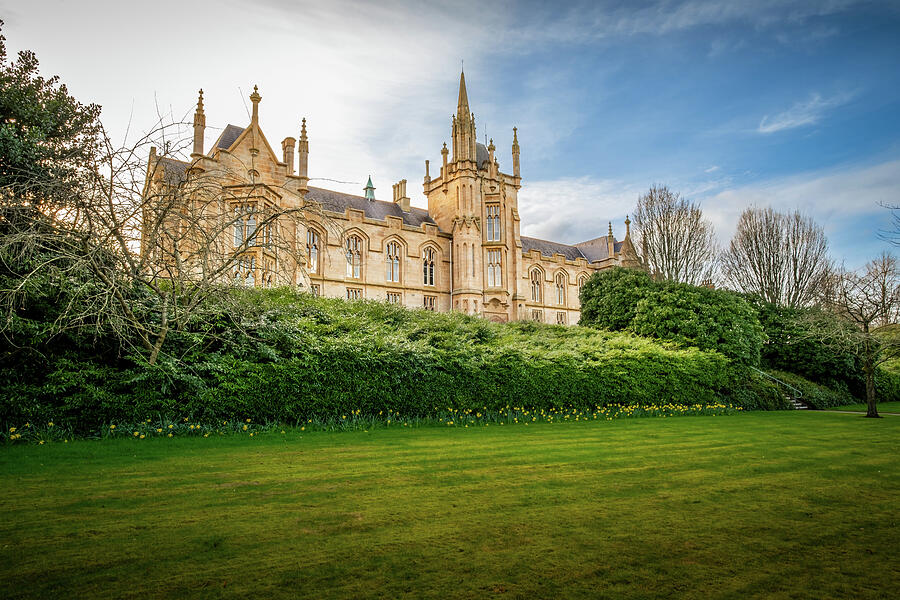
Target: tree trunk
x=161, y=337
x=869, y=370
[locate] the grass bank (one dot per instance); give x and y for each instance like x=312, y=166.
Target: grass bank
x=746, y=505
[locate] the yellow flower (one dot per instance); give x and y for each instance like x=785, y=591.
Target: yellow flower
x=112, y=426
x=251, y=435
x=170, y=426
x=282, y=431
x=41, y=442
x=50, y=424
x=303, y=428
x=159, y=430
x=245, y=428
x=136, y=433
x=192, y=426
x=205, y=435
x=142, y=436
x=248, y=420
x=12, y=429
x=170, y=435
x=185, y=419
x=224, y=422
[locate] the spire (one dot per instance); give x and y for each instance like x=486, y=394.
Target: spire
x=255, y=98
x=462, y=107
x=370, y=189
x=199, y=126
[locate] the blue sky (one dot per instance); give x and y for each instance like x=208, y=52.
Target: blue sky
x=788, y=104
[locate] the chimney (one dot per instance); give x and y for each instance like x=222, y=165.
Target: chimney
x=287, y=147
x=400, y=196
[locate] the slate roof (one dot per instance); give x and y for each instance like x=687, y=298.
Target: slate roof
x=228, y=136
x=373, y=209
x=547, y=248
x=481, y=155
x=173, y=170
x=597, y=248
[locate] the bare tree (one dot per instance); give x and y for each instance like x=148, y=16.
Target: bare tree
x=868, y=306
x=678, y=244
x=783, y=258
x=150, y=243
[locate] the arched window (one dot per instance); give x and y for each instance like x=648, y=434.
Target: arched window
x=392, y=262
x=537, y=286
x=245, y=271
x=428, y=266
x=561, y=289
x=354, y=256
x=312, y=250
x=251, y=227
x=582, y=279
x=494, y=277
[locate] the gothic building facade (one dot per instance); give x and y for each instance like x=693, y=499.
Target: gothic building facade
x=464, y=253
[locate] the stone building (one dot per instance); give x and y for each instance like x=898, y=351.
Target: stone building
x=465, y=252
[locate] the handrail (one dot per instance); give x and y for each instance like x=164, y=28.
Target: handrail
x=798, y=393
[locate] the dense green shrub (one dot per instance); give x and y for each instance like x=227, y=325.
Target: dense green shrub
x=720, y=320
x=813, y=394
x=790, y=346
x=756, y=392
x=609, y=298
x=297, y=356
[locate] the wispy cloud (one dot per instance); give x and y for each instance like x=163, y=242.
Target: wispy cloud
x=807, y=112
x=847, y=202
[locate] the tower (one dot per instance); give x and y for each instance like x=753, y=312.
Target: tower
x=476, y=203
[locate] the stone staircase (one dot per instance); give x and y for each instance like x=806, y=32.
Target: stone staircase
x=790, y=393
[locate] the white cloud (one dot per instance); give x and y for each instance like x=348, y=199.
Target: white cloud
x=808, y=112
x=845, y=201
x=842, y=200
x=574, y=210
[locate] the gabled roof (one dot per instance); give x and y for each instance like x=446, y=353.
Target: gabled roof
x=597, y=248
x=548, y=248
x=228, y=136
x=173, y=170
x=373, y=209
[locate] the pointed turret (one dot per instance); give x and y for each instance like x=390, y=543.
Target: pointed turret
x=199, y=126
x=370, y=189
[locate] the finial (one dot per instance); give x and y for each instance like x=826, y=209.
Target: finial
x=444, y=149
x=610, y=229
x=515, y=135
x=255, y=98
x=627, y=226
x=200, y=101
x=303, y=128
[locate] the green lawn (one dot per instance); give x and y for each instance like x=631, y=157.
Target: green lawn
x=888, y=407
x=794, y=504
